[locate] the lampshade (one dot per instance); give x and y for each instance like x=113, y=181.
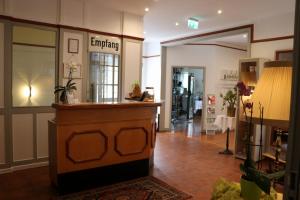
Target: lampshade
x=273, y=91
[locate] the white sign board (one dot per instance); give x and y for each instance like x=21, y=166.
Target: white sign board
x=105, y=44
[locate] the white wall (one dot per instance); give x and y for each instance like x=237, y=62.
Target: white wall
x=275, y=26
x=89, y=14
x=131, y=65
x=151, y=73
x=213, y=58
x=268, y=49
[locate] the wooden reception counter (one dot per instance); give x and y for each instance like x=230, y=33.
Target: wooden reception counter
x=103, y=142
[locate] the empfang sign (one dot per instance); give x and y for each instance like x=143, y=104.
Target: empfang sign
x=105, y=44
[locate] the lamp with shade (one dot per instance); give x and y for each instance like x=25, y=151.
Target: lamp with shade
x=273, y=93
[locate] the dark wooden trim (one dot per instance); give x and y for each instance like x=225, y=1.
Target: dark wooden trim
x=153, y=135
x=134, y=153
x=33, y=45
x=273, y=39
x=132, y=38
x=13, y=19
x=291, y=180
x=282, y=51
x=251, y=26
x=153, y=56
x=219, y=45
x=69, y=156
x=101, y=176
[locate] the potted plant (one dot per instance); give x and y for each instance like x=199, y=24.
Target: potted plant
x=253, y=181
x=229, y=100
x=65, y=91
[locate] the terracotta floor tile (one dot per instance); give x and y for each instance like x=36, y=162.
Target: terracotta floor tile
x=191, y=164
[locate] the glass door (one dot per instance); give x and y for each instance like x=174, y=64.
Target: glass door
x=104, y=77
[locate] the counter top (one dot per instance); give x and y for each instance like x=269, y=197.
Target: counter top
x=89, y=105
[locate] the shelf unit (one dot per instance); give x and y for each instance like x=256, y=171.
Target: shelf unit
x=211, y=114
x=249, y=72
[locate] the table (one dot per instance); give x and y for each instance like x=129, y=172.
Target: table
x=225, y=123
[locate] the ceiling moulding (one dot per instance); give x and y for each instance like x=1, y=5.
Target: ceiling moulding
x=68, y=27
x=218, y=45
x=249, y=26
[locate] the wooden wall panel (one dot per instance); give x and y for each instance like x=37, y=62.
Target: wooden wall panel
x=22, y=133
x=1, y=65
x=2, y=140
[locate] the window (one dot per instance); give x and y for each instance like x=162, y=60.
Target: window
x=33, y=61
x=104, y=77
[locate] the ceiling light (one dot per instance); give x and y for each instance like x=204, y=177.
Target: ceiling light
x=144, y=32
x=245, y=36
x=220, y=12
x=146, y=9
x=176, y=24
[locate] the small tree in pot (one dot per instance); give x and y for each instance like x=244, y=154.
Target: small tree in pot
x=229, y=100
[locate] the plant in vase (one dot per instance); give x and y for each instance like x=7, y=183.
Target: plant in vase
x=65, y=91
x=229, y=100
x=252, y=180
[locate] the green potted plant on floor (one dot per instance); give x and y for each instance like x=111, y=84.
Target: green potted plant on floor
x=229, y=100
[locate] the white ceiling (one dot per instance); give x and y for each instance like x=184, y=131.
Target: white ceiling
x=159, y=22
x=130, y=6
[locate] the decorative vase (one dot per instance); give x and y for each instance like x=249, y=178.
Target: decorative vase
x=249, y=190
x=231, y=111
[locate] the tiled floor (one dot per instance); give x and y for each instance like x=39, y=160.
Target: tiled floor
x=191, y=164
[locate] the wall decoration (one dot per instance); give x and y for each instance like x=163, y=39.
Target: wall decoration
x=73, y=45
x=211, y=99
x=104, y=44
x=72, y=70
x=229, y=75
x=284, y=55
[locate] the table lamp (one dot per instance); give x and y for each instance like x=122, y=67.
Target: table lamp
x=273, y=93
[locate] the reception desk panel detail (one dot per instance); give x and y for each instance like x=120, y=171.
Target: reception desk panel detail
x=89, y=137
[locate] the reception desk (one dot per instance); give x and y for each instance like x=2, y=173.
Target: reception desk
x=101, y=142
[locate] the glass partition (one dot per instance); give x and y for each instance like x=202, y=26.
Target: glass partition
x=33, y=61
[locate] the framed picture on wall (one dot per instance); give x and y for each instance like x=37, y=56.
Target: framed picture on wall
x=284, y=55
x=211, y=99
x=73, y=45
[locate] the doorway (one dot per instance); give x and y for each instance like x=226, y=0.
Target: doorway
x=187, y=98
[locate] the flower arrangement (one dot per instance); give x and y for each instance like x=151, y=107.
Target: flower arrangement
x=229, y=100
x=248, y=168
x=69, y=87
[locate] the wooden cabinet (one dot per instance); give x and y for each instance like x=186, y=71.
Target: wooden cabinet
x=249, y=72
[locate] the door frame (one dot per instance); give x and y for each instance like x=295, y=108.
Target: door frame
x=204, y=91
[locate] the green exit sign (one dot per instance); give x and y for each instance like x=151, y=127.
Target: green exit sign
x=193, y=23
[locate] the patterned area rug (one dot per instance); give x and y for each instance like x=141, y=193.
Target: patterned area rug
x=147, y=188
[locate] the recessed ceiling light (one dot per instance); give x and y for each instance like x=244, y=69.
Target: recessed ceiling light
x=220, y=12
x=245, y=36
x=146, y=9
x=145, y=32
x=176, y=24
